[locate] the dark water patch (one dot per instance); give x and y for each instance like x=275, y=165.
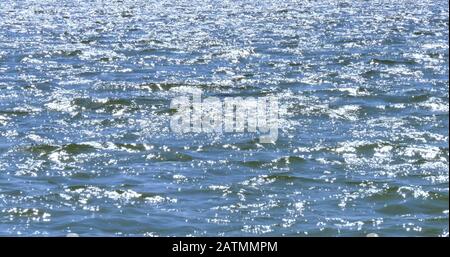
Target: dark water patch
x=393, y=61
x=42, y=149
x=77, y=148
x=283, y=177
x=395, y=210
x=172, y=157
x=15, y=112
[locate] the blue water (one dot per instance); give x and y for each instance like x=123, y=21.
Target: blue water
x=86, y=146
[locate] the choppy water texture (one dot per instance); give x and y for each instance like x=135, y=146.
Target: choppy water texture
x=86, y=147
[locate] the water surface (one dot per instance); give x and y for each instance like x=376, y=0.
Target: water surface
x=86, y=147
